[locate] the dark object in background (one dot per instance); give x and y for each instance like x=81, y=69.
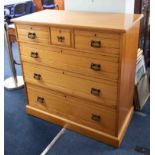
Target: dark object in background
x=17, y=10
x=143, y=150
x=141, y=94
x=143, y=6
x=30, y=7
x=49, y=4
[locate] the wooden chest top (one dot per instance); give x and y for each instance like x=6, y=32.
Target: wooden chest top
x=118, y=22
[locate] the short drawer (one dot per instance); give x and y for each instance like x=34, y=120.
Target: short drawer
x=61, y=37
x=102, y=93
x=104, y=67
x=47, y=100
x=36, y=34
x=97, y=41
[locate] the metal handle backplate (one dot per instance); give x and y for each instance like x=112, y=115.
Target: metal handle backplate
x=34, y=54
x=96, y=67
x=40, y=99
x=60, y=38
x=31, y=35
x=96, y=118
x=95, y=44
x=37, y=76
x=95, y=91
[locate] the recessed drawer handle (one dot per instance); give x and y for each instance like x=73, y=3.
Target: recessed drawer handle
x=31, y=35
x=40, y=99
x=37, y=76
x=95, y=91
x=96, y=67
x=96, y=118
x=95, y=44
x=34, y=54
x=60, y=38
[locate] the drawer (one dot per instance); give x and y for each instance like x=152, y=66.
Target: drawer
x=47, y=100
x=104, y=67
x=74, y=109
x=96, y=117
x=96, y=41
x=101, y=93
x=61, y=37
x=36, y=34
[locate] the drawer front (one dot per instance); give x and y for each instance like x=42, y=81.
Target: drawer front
x=36, y=34
x=72, y=108
x=96, y=41
x=61, y=37
x=103, y=68
x=47, y=100
x=96, y=117
x=56, y=79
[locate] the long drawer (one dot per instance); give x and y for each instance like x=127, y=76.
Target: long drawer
x=104, y=67
x=34, y=34
x=102, y=93
x=74, y=109
x=96, y=41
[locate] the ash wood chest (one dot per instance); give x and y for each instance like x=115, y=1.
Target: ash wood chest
x=79, y=69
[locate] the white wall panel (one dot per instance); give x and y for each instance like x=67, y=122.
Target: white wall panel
x=100, y=5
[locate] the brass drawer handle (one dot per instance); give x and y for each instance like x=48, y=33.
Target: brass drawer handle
x=96, y=118
x=34, y=54
x=40, y=99
x=31, y=35
x=60, y=38
x=37, y=76
x=95, y=91
x=96, y=67
x=95, y=44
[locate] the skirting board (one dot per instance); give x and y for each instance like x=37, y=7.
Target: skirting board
x=103, y=137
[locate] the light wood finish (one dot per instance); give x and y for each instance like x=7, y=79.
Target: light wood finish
x=65, y=80
x=65, y=60
x=41, y=33
x=96, y=41
x=72, y=109
x=125, y=124
x=61, y=37
x=101, y=136
x=87, y=79
x=12, y=33
x=48, y=100
x=117, y=22
x=83, y=113
x=98, y=34
x=127, y=65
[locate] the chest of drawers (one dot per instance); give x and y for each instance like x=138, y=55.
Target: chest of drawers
x=79, y=70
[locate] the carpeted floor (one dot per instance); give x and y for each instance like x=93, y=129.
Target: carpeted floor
x=27, y=135
x=24, y=134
